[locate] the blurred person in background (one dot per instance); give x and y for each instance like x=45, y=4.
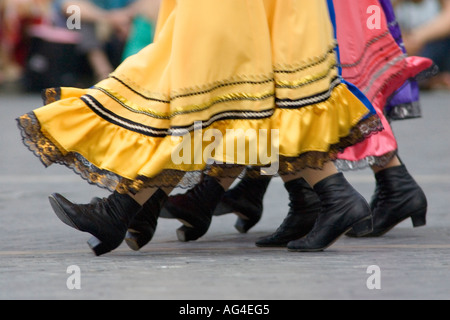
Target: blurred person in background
x=106, y=27
x=426, y=24
x=16, y=17
x=104, y=30
x=142, y=32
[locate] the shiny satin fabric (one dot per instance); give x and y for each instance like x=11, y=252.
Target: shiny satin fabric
x=373, y=61
x=214, y=65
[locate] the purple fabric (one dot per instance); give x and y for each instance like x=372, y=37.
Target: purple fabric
x=393, y=25
x=408, y=95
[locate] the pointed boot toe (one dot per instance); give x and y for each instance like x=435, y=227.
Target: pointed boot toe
x=106, y=219
x=343, y=210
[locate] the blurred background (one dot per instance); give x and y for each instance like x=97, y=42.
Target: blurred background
x=48, y=43
x=75, y=43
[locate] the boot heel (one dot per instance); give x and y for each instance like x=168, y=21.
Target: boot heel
x=244, y=225
x=98, y=246
x=363, y=227
x=419, y=218
x=186, y=234
x=131, y=239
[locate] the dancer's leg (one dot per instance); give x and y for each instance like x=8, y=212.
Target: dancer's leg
x=343, y=209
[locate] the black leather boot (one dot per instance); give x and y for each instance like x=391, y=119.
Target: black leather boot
x=343, y=209
x=143, y=226
x=304, y=206
x=106, y=219
x=397, y=197
x=246, y=201
x=195, y=208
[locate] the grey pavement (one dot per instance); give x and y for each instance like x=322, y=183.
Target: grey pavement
x=36, y=248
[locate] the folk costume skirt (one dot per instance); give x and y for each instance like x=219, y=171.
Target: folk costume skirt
x=372, y=57
x=259, y=71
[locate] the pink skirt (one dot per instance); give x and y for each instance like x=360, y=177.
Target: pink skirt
x=372, y=60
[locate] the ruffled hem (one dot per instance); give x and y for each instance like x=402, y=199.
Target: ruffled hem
x=316, y=160
x=378, y=161
x=404, y=111
x=49, y=152
x=428, y=73
x=412, y=109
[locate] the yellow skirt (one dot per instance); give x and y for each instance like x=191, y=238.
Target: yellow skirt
x=231, y=83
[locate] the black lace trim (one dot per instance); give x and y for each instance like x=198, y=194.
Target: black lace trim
x=428, y=73
x=49, y=153
x=316, y=160
x=378, y=161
